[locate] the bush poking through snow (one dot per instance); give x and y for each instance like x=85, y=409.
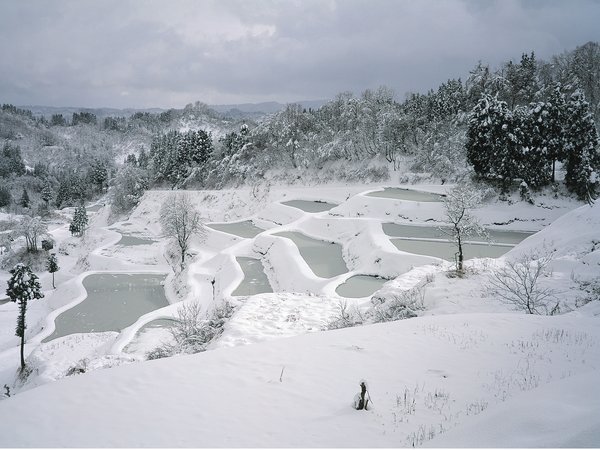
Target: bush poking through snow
x=517, y=283
x=401, y=305
x=191, y=332
x=78, y=368
x=397, y=306
x=345, y=317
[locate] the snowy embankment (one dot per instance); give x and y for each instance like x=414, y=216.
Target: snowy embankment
x=427, y=375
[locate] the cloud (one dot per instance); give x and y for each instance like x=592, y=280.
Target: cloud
x=169, y=53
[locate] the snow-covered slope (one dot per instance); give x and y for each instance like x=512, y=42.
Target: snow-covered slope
x=425, y=376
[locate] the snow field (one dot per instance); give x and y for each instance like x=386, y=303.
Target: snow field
x=430, y=373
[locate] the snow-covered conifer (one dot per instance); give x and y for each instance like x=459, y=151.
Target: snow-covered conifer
x=23, y=286
x=52, y=266
x=582, y=155
x=79, y=222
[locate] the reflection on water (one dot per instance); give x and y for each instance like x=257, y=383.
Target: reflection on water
x=360, y=286
x=245, y=229
x=407, y=194
x=433, y=232
x=446, y=250
x=113, y=302
x=255, y=280
x=314, y=206
x=324, y=258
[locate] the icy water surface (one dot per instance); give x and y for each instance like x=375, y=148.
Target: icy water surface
x=310, y=206
x=446, y=250
x=245, y=229
x=434, y=232
x=129, y=239
x=360, y=286
x=114, y=301
x=407, y=194
x=255, y=280
x=324, y=258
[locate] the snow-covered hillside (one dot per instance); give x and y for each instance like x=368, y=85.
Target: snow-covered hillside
x=425, y=376
x=276, y=378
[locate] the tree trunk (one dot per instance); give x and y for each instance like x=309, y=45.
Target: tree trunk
x=553, y=169
x=22, y=352
x=460, y=255
x=53, y=287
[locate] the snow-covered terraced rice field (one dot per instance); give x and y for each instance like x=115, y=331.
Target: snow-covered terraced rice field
x=114, y=301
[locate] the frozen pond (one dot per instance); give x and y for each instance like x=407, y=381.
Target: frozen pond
x=433, y=232
x=245, y=229
x=129, y=239
x=114, y=301
x=360, y=286
x=407, y=194
x=311, y=206
x=446, y=250
x=255, y=280
x=324, y=258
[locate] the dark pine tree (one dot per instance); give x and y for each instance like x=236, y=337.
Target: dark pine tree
x=24, y=201
x=52, y=266
x=582, y=156
x=23, y=286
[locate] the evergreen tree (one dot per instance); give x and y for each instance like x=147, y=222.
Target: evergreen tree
x=521, y=82
x=11, y=162
x=23, y=286
x=5, y=196
x=200, y=146
x=143, y=159
x=47, y=193
x=63, y=195
x=79, y=222
x=534, y=162
x=582, y=156
x=52, y=266
x=493, y=140
x=554, y=126
x=99, y=174
x=24, y=201
x=58, y=120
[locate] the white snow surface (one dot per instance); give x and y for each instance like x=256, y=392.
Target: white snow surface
x=274, y=378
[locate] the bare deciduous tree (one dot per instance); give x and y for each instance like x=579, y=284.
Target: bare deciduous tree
x=458, y=205
x=180, y=220
x=517, y=283
x=31, y=228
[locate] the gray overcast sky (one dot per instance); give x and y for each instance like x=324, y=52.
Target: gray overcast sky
x=125, y=53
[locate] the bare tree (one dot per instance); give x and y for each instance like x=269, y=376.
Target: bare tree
x=180, y=220
x=458, y=205
x=517, y=283
x=31, y=228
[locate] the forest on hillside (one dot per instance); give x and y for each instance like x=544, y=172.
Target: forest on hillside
x=508, y=126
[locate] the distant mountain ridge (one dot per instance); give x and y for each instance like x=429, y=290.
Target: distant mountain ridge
x=47, y=111
x=265, y=107
x=234, y=110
